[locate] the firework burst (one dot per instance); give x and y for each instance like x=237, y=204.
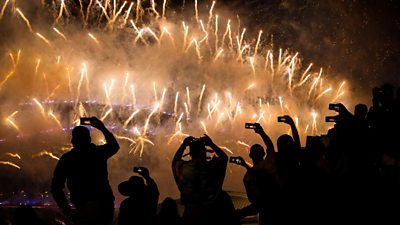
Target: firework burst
x=155, y=79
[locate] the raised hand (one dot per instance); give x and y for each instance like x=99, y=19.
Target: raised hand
x=95, y=122
x=207, y=140
x=258, y=128
x=144, y=172
x=288, y=120
x=188, y=140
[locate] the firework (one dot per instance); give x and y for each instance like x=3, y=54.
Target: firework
x=207, y=78
x=10, y=164
x=46, y=153
x=28, y=24
x=3, y=9
x=14, y=155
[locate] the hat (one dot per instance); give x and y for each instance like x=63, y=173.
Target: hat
x=134, y=185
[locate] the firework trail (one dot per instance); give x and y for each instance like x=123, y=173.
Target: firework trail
x=151, y=77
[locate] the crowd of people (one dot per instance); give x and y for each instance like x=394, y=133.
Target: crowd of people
x=349, y=175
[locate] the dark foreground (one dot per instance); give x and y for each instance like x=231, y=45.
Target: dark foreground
x=51, y=215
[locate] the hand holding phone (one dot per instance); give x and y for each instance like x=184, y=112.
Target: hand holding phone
x=339, y=107
x=143, y=171
x=97, y=123
x=137, y=169
x=286, y=119
x=250, y=125
x=281, y=119
x=236, y=159
x=333, y=106
x=331, y=119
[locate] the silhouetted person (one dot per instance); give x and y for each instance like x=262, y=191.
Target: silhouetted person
x=354, y=167
x=289, y=154
x=200, y=181
x=168, y=213
x=84, y=169
x=363, y=146
x=290, y=170
x=261, y=183
x=140, y=208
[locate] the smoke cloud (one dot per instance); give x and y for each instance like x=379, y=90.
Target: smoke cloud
x=171, y=70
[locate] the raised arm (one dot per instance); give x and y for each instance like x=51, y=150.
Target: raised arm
x=267, y=140
x=240, y=161
x=218, y=151
x=178, y=156
x=344, y=112
x=179, y=153
x=151, y=184
x=111, y=145
x=295, y=132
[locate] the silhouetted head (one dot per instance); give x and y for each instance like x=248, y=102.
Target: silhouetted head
x=360, y=111
x=197, y=150
x=80, y=136
x=256, y=153
x=168, y=208
x=315, y=147
x=285, y=144
x=135, y=185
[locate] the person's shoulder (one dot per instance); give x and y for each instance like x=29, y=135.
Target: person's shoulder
x=264, y=167
x=67, y=155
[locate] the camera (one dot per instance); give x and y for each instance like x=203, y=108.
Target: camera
x=197, y=140
x=85, y=120
x=137, y=169
x=235, y=159
x=250, y=125
x=281, y=119
x=335, y=107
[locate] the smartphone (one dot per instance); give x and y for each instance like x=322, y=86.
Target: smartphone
x=137, y=169
x=250, y=125
x=281, y=119
x=85, y=121
x=335, y=107
x=235, y=159
x=330, y=119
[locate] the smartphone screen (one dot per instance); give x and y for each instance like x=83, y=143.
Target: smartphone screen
x=85, y=121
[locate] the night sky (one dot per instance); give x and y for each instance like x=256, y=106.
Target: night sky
x=357, y=39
